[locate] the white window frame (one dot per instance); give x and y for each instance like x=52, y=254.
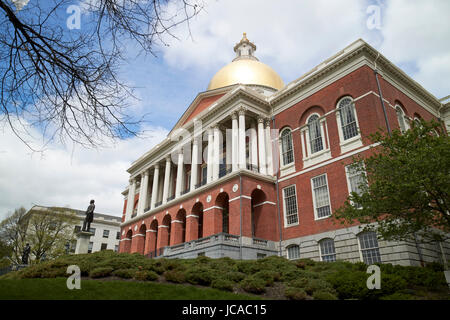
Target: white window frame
x=353, y=142
x=398, y=108
x=290, y=167
x=360, y=249
x=310, y=158
x=286, y=225
x=320, y=249
x=316, y=217
x=292, y=246
x=347, y=175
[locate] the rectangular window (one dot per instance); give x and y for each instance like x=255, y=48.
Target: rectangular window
x=293, y=252
x=321, y=196
x=290, y=205
x=327, y=250
x=91, y=244
x=77, y=229
x=369, y=247
x=93, y=231
x=118, y=235
x=355, y=180
x=116, y=248
x=105, y=233
x=104, y=246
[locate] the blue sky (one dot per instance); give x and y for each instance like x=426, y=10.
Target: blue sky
x=291, y=36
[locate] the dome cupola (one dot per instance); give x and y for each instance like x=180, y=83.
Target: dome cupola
x=246, y=69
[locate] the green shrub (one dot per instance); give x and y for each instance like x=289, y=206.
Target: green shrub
x=268, y=276
x=249, y=267
x=350, y=284
x=253, y=285
x=293, y=293
x=200, y=275
x=145, y=275
x=101, y=272
x=313, y=285
x=235, y=276
x=175, y=276
x=124, y=273
x=222, y=284
x=53, y=273
x=324, y=295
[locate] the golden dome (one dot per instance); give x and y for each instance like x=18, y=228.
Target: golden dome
x=246, y=69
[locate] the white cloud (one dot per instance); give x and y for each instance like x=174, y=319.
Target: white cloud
x=418, y=32
x=68, y=177
x=291, y=36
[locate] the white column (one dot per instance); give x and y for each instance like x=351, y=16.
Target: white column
x=302, y=138
x=242, y=144
x=262, y=146
x=180, y=173
x=194, y=164
x=209, y=163
x=234, y=141
x=228, y=148
x=155, y=186
x=253, y=145
x=167, y=179
x=216, y=153
x=143, y=192
x=269, y=155
x=130, y=201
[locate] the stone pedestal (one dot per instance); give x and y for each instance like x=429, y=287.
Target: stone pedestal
x=83, y=242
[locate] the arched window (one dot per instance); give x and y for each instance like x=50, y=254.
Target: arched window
x=401, y=118
x=347, y=116
x=315, y=135
x=293, y=252
x=287, y=149
x=369, y=247
x=327, y=250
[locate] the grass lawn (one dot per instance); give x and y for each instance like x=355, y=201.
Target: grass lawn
x=56, y=289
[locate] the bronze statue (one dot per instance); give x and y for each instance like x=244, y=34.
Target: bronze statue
x=26, y=253
x=89, y=216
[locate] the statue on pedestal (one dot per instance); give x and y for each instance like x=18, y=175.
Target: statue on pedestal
x=89, y=217
x=26, y=253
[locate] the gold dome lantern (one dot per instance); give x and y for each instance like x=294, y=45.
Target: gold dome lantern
x=246, y=69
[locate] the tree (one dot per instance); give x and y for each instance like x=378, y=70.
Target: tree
x=405, y=186
x=13, y=233
x=47, y=232
x=61, y=76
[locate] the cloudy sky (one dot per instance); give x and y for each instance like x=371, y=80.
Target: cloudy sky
x=292, y=36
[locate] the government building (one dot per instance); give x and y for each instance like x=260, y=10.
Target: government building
x=255, y=167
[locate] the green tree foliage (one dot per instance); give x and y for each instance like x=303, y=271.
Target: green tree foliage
x=13, y=232
x=405, y=186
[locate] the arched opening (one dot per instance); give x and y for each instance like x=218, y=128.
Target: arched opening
x=140, y=241
x=127, y=241
x=153, y=238
x=222, y=202
x=166, y=224
x=179, y=228
x=197, y=210
x=263, y=216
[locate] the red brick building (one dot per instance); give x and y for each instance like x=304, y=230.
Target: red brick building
x=255, y=167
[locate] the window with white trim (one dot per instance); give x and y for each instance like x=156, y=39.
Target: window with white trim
x=315, y=134
x=287, y=150
x=347, y=115
x=290, y=205
x=402, y=122
x=327, y=250
x=370, y=251
x=321, y=197
x=355, y=180
x=293, y=252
